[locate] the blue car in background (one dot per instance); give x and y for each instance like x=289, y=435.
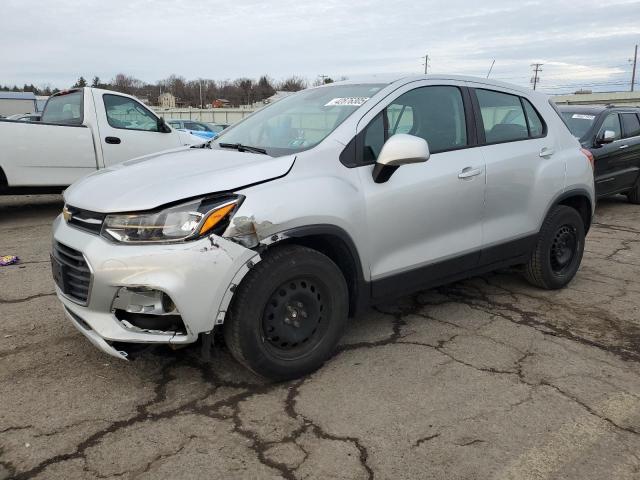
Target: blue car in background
x=200, y=129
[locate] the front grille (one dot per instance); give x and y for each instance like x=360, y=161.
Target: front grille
x=75, y=276
x=85, y=219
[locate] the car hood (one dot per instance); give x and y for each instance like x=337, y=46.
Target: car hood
x=149, y=182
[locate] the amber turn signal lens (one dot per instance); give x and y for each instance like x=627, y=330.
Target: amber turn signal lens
x=215, y=217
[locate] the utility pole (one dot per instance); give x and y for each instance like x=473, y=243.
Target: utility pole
x=322, y=77
x=426, y=64
x=633, y=72
x=200, y=94
x=536, y=70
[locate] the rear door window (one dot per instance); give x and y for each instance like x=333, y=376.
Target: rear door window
x=630, y=124
x=502, y=116
x=64, y=109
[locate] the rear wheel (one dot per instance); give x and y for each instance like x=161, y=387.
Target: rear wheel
x=288, y=313
x=634, y=194
x=558, y=251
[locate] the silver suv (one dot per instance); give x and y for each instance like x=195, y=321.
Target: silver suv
x=329, y=200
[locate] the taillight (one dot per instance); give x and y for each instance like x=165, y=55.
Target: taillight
x=589, y=156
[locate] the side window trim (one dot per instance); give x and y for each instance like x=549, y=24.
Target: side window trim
x=482, y=140
x=139, y=104
x=526, y=117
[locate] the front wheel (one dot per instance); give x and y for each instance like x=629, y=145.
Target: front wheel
x=634, y=194
x=558, y=251
x=288, y=313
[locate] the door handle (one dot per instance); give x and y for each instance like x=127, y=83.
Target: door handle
x=623, y=146
x=112, y=140
x=546, y=152
x=469, y=172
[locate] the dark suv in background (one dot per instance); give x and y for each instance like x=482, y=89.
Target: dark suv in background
x=612, y=134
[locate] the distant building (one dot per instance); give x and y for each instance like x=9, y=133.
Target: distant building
x=167, y=100
x=582, y=97
x=221, y=103
x=12, y=103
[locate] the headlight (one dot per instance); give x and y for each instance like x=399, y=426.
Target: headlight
x=178, y=223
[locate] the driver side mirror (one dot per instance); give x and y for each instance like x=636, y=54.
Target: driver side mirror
x=400, y=149
x=162, y=126
x=607, y=136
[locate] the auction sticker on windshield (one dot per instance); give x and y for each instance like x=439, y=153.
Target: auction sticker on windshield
x=347, y=101
x=583, y=117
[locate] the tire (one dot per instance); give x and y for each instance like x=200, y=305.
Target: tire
x=634, y=194
x=558, y=250
x=288, y=313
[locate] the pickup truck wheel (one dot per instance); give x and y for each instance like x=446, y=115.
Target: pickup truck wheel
x=558, y=251
x=634, y=194
x=288, y=313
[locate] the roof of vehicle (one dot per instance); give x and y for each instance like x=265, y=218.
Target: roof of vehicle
x=17, y=96
x=403, y=78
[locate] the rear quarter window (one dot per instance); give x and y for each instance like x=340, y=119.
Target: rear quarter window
x=64, y=109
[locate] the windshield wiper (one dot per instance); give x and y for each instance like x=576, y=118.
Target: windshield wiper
x=243, y=148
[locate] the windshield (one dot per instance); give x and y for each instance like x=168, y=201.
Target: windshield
x=301, y=121
x=578, y=123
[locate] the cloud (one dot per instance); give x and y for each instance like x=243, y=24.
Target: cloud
x=55, y=42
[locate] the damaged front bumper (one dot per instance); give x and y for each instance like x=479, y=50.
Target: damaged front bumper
x=150, y=294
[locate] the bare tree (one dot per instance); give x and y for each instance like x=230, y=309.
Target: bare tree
x=126, y=84
x=293, y=84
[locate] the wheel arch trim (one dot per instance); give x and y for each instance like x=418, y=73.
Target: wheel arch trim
x=571, y=193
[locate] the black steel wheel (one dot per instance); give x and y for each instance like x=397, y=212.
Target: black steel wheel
x=558, y=251
x=292, y=324
x=563, y=249
x=288, y=313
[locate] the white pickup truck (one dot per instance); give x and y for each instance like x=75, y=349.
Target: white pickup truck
x=81, y=130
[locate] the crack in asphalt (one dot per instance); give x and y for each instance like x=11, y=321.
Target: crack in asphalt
x=471, y=442
x=420, y=441
x=26, y=299
x=461, y=293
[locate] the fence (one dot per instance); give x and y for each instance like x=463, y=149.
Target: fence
x=228, y=116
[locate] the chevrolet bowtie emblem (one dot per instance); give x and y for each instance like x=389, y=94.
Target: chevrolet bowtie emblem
x=66, y=214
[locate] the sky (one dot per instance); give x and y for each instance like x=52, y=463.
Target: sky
x=581, y=44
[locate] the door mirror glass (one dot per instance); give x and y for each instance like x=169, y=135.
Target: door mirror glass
x=400, y=149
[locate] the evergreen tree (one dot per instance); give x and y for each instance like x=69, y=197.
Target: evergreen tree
x=80, y=83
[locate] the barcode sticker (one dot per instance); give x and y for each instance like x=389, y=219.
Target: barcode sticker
x=583, y=117
x=347, y=101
